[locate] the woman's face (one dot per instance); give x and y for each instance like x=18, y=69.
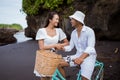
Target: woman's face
x=55, y=20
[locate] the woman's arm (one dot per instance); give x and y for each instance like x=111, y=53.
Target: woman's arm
x=65, y=42
x=56, y=46
x=60, y=46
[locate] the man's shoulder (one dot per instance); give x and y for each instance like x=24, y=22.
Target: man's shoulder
x=88, y=28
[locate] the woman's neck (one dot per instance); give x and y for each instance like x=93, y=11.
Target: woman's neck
x=50, y=27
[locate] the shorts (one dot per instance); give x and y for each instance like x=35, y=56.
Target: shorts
x=87, y=66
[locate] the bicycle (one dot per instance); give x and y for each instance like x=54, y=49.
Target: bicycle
x=97, y=74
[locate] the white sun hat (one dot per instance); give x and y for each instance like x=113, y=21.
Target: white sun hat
x=79, y=16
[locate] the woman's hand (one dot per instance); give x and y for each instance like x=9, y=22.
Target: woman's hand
x=58, y=46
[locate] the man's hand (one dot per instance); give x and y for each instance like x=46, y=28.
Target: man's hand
x=78, y=60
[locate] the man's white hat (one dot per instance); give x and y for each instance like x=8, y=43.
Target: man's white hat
x=79, y=16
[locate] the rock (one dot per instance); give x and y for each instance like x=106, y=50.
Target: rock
x=102, y=15
x=6, y=36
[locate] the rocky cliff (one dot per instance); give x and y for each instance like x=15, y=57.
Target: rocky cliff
x=7, y=36
x=102, y=15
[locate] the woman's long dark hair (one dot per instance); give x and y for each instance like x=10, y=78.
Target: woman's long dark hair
x=50, y=16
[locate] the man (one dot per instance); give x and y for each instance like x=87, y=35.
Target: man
x=83, y=39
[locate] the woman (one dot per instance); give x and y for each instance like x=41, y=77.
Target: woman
x=83, y=39
x=49, y=36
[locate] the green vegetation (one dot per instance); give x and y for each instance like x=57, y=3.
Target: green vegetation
x=12, y=26
x=32, y=7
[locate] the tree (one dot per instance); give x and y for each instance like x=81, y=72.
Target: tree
x=32, y=7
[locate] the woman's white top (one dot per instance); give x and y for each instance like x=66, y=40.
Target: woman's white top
x=42, y=34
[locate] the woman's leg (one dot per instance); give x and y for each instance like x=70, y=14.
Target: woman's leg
x=45, y=78
x=61, y=67
x=48, y=78
x=42, y=78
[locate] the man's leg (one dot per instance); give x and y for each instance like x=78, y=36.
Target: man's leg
x=84, y=78
x=87, y=67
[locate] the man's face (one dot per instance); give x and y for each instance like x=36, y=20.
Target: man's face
x=74, y=22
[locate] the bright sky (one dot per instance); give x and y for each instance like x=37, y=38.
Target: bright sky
x=10, y=12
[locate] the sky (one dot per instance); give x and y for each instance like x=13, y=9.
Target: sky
x=10, y=12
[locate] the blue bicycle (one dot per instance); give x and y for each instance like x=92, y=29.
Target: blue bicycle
x=97, y=74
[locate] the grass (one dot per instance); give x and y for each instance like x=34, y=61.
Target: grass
x=12, y=26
